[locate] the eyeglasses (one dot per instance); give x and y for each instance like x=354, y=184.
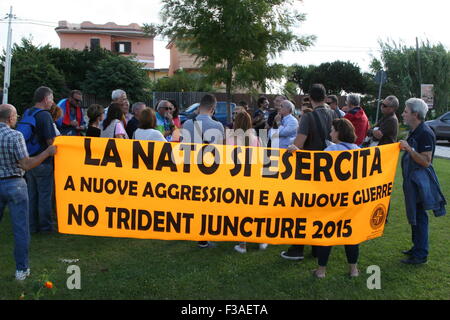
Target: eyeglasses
x=384, y=106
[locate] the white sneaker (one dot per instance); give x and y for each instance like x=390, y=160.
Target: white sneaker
x=263, y=246
x=239, y=249
x=22, y=275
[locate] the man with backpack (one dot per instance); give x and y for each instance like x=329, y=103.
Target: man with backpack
x=14, y=160
x=203, y=129
x=314, y=135
x=37, y=127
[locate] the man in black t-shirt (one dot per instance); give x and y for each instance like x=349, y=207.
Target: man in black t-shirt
x=313, y=131
x=40, y=178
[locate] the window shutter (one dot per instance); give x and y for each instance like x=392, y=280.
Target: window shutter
x=127, y=47
x=95, y=43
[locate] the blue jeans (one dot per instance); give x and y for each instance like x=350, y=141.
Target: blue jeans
x=420, y=234
x=40, y=191
x=13, y=193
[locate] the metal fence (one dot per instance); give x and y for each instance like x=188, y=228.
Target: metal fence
x=186, y=99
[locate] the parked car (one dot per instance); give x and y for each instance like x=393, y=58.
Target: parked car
x=219, y=115
x=441, y=126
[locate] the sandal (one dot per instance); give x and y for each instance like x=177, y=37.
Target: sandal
x=319, y=276
x=354, y=274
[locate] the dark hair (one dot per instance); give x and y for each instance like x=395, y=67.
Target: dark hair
x=208, y=101
x=176, y=112
x=41, y=93
x=94, y=111
x=333, y=98
x=261, y=101
x=147, y=119
x=317, y=92
x=243, y=103
x=345, y=130
x=74, y=92
x=114, y=112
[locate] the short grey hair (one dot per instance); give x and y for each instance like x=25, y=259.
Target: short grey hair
x=290, y=105
x=136, y=106
x=116, y=94
x=5, y=112
x=393, y=102
x=418, y=106
x=162, y=103
x=353, y=99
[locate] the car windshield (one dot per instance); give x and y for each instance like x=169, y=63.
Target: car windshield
x=192, y=108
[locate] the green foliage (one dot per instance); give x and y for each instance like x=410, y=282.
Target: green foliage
x=183, y=81
x=115, y=72
x=32, y=68
x=76, y=64
x=335, y=76
x=96, y=71
x=290, y=90
x=234, y=39
x=401, y=64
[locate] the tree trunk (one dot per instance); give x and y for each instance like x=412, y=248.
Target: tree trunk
x=228, y=89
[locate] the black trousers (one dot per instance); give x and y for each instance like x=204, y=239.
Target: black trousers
x=297, y=250
x=351, y=251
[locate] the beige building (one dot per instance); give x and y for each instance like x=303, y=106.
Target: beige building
x=180, y=60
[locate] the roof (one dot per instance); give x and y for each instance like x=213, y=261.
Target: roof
x=110, y=28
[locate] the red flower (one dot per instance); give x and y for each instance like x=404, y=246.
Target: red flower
x=48, y=284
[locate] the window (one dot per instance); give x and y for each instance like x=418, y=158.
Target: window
x=123, y=47
x=446, y=117
x=95, y=43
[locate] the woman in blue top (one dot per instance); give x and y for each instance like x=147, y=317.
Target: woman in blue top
x=343, y=136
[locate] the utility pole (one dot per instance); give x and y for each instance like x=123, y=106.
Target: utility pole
x=7, y=74
x=419, y=67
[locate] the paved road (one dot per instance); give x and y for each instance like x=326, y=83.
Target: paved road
x=443, y=149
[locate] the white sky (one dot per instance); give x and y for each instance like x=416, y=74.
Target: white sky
x=346, y=30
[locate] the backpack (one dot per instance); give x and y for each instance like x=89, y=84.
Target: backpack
x=27, y=127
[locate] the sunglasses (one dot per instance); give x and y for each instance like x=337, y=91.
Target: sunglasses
x=384, y=106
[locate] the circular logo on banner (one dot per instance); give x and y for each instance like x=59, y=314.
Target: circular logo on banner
x=378, y=216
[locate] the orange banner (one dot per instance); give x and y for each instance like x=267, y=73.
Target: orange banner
x=173, y=191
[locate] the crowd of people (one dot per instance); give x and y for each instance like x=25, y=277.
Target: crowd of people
x=26, y=164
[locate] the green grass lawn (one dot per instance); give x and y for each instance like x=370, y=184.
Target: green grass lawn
x=114, y=268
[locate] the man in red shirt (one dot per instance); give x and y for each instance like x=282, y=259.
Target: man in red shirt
x=357, y=117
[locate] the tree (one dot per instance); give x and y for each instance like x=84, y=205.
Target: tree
x=75, y=64
x=336, y=76
x=183, y=81
x=32, y=68
x=401, y=64
x=114, y=72
x=234, y=39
